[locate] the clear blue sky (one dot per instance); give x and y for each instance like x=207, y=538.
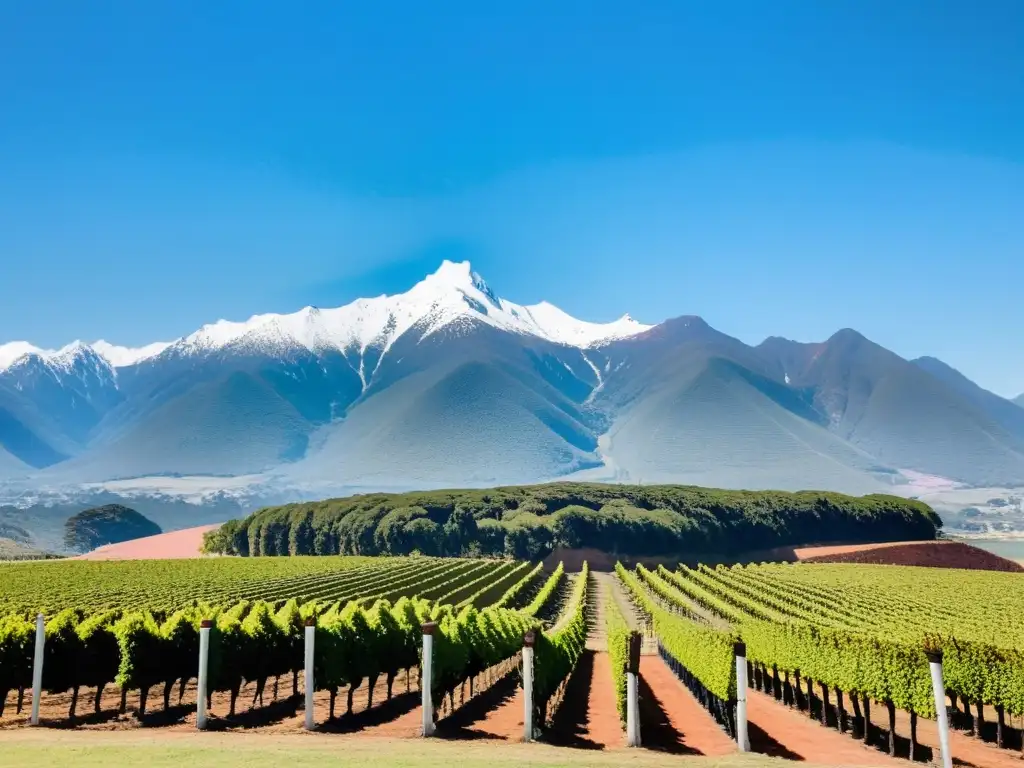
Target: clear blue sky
x=780, y=168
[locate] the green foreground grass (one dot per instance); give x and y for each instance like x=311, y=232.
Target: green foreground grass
x=232, y=750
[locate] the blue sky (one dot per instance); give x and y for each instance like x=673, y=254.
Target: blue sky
x=784, y=168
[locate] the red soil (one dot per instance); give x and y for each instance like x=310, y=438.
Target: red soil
x=671, y=720
x=934, y=554
x=966, y=751
x=937, y=554
x=175, y=545
x=281, y=715
x=603, y=724
x=779, y=731
x=494, y=714
x=588, y=717
x=489, y=712
x=805, y=553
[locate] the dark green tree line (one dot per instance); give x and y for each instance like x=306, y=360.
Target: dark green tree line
x=529, y=522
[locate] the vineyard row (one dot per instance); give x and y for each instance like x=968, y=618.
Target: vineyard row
x=253, y=641
x=813, y=635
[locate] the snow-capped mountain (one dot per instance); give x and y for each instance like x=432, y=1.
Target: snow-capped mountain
x=291, y=374
x=58, y=397
x=122, y=357
x=452, y=295
x=112, y=356
x=449, y=384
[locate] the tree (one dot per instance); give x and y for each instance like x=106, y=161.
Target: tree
x=109, y=524
x=424, y=536
x=301, y=537
x=459, y=531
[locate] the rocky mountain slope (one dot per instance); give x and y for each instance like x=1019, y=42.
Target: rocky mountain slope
x=450, y=385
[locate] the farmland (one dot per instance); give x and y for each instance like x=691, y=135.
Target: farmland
x=166, y=585
x=824, y=642
x=824, y=635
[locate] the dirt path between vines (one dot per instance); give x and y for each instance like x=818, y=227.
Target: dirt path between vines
x=588, y=718
x=497, y=713
x=671, y=719
x=778, y=731
x=967, y=751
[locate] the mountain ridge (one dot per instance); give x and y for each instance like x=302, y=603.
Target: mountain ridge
x=449, y=384
x=439, y=299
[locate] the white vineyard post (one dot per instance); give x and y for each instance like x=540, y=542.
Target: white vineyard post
x=427, y=678
x=309, y=681
x=202, y=684
x=633, y=691
x=939, y=688
x=529, y=641
x=742, y=739
x=37, y=668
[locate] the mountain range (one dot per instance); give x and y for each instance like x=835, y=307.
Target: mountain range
x=450, y=385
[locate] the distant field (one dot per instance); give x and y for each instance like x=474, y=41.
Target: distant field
x=932, y=554
x=166, y=585
x=176, y=544
x=12, y=550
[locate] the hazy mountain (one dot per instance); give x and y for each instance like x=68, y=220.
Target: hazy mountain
x=998, y=408
x=469, y=404
x=11, y=465
x=448, y=384
x=1019, y=400
x=900, y=413
x=63, y=394
x=38, y=518
x=690, y=404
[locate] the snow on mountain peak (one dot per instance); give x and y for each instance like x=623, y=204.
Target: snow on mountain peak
x=452, y=293
x=452, y=279
x=121, y=357
x=559, y=326
x=77, y=357
x=453, y=274
x=13, y=351
x=67, y=356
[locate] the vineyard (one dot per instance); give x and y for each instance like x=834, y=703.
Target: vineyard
x=166, y=585
x=367, y=612
x=122, y=645
x=857, y=633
